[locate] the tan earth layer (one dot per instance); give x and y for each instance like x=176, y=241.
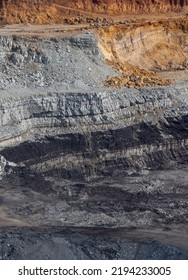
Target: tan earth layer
x=138, y=51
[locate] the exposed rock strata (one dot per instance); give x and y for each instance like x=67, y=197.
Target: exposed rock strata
x=117, y=6
x=56, y=11
x=79, y=59
x=83, y=133
x=53, y=64
x=90, y=134
x=135, y=49
x=89, y=156
x=152, y=46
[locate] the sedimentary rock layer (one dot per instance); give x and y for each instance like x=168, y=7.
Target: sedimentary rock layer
x=56, y=118
x=150, y=45
x=118, y=6
x=55, y=11
x=85, y=135
x=73, y=152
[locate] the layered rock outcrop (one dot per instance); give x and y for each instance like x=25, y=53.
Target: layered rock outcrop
x=89, y=156
x=153, y=46
x=52, y=64
x=70, y=125
x=126, y=6
x=135, y=49
x=83, y=135
x=55, y=11
x=95, y=158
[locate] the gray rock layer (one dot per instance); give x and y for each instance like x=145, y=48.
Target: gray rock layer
x=84, y=135
x=72, y=62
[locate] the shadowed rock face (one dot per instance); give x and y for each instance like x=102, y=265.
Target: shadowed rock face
x=84, y=135
x=70, y=155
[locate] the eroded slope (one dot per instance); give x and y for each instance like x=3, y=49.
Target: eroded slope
x=150, y=46
x=125, y=6
x=56, y=11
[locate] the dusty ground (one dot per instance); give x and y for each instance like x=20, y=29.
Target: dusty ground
x=5, y=220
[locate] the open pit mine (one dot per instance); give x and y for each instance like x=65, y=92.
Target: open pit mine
x=94, y=129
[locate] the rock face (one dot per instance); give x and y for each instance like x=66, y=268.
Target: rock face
x=87, y=156
x=126, y=6
x=79, y=127
x=53, y=107
x=50, y=64
x=5, y=167
x=143, y=46
x=55, y=11
x=61, y=141
x=151, y=46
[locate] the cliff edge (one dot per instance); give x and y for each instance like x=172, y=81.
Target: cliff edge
x=56, y=11
x=129, y=6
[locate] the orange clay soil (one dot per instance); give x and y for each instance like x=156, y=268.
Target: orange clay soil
x=125, y=6
x=56, y=11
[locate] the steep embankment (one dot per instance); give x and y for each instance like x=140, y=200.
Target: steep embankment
x=82, y=118
x=125, y=6
x=27, y=12
x=55, y=11
x=137, y=48
x=83, y=135
x=149, y=45
x=75, y=151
